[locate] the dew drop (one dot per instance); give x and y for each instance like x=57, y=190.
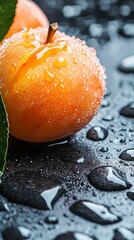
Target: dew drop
x=94, y=212
x=59, y=62
x=75, y=60
x=25, y=34
x=127, y=155
x=127, y=64
x=97, y=133
x=62, y=88
x=31, y=189
x=51, y=219
x=73, y=236
x=123, y=233
x=108, y=178
x=48, y=76
x=28, y=44
x=128, y=110
x=13, y=67
x=16, y=233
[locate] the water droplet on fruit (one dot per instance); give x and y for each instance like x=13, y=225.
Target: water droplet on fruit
x=93, y=51
x=128, y=110
x=51, y=219
x=32, y=189
x=97, y=133
x=73, y=236
x=94, y=212
x=16, y=233
x=48, y=76
x=108, y=178
x=25, y=34
x=62, y=88
x=127, y=64
x=13, y=67
x=123, y=233
x=59, y=62
x=75, y=60
x=43, y=53
x=127, y=155
x=28, y=44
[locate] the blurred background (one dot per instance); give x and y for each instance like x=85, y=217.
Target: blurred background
x=97, y=18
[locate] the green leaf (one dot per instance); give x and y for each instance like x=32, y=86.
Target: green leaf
x=4, y=134
x=7, y=13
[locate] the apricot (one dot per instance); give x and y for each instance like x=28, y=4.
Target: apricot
x=29, y=15
x=51, y=88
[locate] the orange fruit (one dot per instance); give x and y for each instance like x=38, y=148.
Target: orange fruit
x=28, y=15
x=51, y=90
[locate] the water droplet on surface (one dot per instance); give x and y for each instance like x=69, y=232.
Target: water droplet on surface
x=59, y=62
x=128, y=110
x=108, y=178
x=97, y=133
x=105, y=103
x=31, y=189
x=51, y=219
x=73, y=236
x=130, y=194
x=94, y=212
x=104, y=149
x=80, y=160
x=123, y=233
x=107, y=93
x=127, y=155
x=108, y=118
x=127, y=30
x=127, y=64
x=4, y=206
x=16, y=233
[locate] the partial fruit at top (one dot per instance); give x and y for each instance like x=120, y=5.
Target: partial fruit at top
x=28, y=15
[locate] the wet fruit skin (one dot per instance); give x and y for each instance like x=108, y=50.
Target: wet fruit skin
x=51, y=90
x=29, y=15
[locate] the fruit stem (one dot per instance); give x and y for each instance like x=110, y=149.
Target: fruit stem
x=51, y=31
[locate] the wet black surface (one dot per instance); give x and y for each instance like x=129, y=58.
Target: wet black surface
x=70, y=161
